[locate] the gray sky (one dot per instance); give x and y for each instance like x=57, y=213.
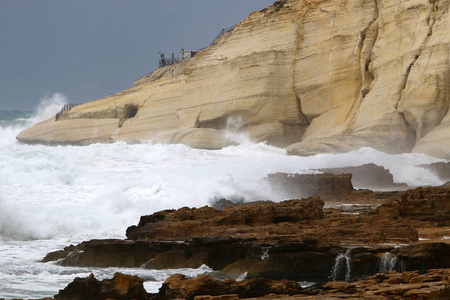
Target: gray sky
x=88, y=49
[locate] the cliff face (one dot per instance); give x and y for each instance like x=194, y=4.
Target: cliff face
x=312, y=75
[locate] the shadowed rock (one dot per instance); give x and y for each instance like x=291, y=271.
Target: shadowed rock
x=424, y=256
x=120, y=287
x=326, y=186
x=441, y=169
x=368, y=176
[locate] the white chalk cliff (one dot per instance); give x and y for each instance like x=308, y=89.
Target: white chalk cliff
x=310, y=75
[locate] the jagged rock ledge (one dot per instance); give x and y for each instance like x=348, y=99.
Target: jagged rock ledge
x=283, y=240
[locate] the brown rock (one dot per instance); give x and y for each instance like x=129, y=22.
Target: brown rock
x=431, y=203
x=178, y=286
x=120, y=287
x=422, y=286
x=107, y=253
x=391, y=209
x=424, y=256
x=221, y=297
x=270, y=240
x=338, y=285
x=187, y=222
x=425, y=204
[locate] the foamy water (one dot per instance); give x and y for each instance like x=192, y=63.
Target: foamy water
x=51, y=197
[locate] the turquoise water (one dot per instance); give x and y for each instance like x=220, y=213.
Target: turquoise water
x=14, y=118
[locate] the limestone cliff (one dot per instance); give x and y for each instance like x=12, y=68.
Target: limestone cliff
x=312, y=75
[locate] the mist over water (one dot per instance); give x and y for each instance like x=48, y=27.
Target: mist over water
x=51, y=197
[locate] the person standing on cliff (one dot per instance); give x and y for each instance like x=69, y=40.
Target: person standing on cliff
x=162, y=63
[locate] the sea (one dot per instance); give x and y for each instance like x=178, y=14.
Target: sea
x=55, y=196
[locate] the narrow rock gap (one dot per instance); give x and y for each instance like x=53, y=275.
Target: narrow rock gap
x=300, y=115
x=299, y=109
x=366, y=76
x=431, y=22
x=412, y=132
x=197, y=121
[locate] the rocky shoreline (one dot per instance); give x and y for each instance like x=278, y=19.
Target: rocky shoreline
x=359, y=244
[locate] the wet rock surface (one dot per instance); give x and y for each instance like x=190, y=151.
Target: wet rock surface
x=424, y=256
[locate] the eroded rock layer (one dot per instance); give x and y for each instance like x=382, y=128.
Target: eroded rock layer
x=317, y=75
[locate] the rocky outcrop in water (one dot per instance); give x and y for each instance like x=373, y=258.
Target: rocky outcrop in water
x=440, y=169
x=282, y=240
x=402, y=236
x=120, y=287
x=314, y=75
x=367, y=176
x=306, y=185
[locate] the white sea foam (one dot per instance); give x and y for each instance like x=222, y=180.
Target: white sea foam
x=51, y=197
x=48, y=107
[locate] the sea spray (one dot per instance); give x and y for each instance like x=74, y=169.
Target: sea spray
x=48, y=107
x=342, y=266
x=233, y=130
x=12, y=225
x=11, y=123
x=52, y=197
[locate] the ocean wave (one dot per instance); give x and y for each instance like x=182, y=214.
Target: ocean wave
x=51, y=197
